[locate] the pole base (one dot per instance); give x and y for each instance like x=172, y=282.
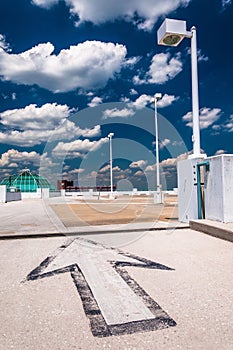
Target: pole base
x=159, y=197
x=112, y=195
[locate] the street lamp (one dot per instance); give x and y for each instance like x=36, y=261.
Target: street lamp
x=110, y=136
x=171, y=33
x=158, y=195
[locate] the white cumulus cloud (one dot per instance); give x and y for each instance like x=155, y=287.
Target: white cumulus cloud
x=14, y=160
x=164, y=143
x=87, y=65
x=3, y=44
x=162, y=69
x=133, y=92
x=229, y=124
x=102, y=11
x=141, y=102
x=138, y=164
x=48, y=116
x=144, y=100
x=105, y=169
x=166, y=100
x=95, y=101
x=219, y=152
x=115, y=112
x=200, y=56
x=34, y=125
x=17, y=158
x=226, y=3
x=29, y=138
x=207, y=117
x=45, y=3
x=77, y=148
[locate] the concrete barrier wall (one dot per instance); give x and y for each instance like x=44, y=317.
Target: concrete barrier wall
x=28, y=195
x=117, y=193
x=54, y=194
x=2, y=194
x=8, y=196
x=40, y=193
x=13, y=196
x=104, y=194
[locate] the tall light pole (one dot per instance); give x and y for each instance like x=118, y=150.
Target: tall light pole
x=157, y=97
x=171, y=33
x=110, y=136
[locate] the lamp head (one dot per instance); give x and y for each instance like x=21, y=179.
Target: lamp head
x=111, y=134
x=158, y=96
x=172, y=32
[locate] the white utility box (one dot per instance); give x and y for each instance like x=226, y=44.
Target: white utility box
x=219, y=188
x=187, y=189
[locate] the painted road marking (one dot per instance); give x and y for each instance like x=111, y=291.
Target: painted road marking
x=112, y=300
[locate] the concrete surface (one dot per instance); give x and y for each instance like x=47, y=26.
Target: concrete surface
x=35, y=217
x=29, y=216
x=48, y=313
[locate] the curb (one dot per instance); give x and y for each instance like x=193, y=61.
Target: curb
x=210, y=229
x=85, y=233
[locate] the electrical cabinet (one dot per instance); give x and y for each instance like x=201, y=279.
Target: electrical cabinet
x=187, y=189
x=218, y=190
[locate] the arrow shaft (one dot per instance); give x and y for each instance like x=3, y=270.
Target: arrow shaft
x=116, y=300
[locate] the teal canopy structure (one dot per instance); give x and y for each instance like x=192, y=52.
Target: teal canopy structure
x=25, y=181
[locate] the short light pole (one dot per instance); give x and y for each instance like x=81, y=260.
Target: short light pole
x=110, y=136
x=159, y=199
x=171, y=33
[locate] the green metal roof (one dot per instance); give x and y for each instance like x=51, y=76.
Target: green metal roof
x=25, y=181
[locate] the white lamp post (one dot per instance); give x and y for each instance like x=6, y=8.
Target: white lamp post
x=110, y=136
x=171, y=33
x=157, y=97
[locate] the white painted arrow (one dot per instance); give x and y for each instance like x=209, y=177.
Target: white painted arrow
x=116, y=300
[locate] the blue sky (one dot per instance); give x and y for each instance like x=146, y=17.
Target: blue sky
x=71, y=71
